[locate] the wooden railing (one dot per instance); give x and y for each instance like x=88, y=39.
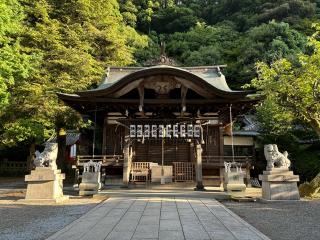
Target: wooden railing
x=140, y=171
x=107, y=160
x=13, y=166
x=219, y=160
x=117, y=160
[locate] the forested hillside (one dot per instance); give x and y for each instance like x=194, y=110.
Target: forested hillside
x=233, y=32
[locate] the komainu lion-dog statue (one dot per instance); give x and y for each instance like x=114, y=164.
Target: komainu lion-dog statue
x=48, y=157
x=275, y=158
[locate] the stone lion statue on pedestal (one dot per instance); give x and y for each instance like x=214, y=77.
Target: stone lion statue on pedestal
x=276, y=159
x=48, y=157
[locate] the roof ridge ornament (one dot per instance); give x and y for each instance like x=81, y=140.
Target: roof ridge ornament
x=106, y=74
x=163, y=59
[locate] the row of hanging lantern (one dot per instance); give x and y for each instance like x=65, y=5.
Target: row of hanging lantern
x=201, y=135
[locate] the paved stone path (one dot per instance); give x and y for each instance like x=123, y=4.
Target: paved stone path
x=126, y=218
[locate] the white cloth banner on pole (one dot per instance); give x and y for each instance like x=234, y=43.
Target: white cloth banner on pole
x=73, y=151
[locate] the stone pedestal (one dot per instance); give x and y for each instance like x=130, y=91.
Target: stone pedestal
x=234, y=184
x=90, y=184
x=279, y=184
x=45, y=184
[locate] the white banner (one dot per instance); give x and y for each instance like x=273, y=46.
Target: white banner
x=165, y=131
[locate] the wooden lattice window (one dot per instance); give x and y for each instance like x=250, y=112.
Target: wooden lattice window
x=183, y=171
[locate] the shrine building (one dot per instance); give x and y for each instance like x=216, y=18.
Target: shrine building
x=163, y=123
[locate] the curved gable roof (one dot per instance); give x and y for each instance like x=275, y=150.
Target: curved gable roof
x=207, y=81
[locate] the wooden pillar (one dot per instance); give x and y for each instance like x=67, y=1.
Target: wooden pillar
x=248, y=167
x=104, y=136
x=127, y=154
x=221, y=160
x=199, y=186
x=191, y=152
x=221, y=171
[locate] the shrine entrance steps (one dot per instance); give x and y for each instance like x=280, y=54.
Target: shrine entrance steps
x=181, y=189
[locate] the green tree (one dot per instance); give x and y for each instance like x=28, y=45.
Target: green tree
x=142, y=55
x=15, y=64
x=266, y=43
x=129, y=12
x=173, y=19
x=203, y=45
x=250, y=13
x=74, y=42
x=145, y=12
x=290, y=92
x=288, y=11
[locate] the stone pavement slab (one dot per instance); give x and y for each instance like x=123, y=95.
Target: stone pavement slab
x=133, y=218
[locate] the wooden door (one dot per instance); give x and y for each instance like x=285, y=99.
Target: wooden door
x=212, y=141
x=174, y=151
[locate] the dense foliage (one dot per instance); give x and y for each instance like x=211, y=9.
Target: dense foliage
x=290, y=92
x=64, y=45
x=50, y=46
x=237, y=33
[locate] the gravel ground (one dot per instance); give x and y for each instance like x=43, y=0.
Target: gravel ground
x=26, y=221
x=9, y=184
x=279, y=221
x=282, y=221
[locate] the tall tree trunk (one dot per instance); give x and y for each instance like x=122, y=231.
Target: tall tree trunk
x=30, y=158
x=315, y=124
x=61, y=158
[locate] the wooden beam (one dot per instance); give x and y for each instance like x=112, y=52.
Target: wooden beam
x=184, y=91
x=161, y=101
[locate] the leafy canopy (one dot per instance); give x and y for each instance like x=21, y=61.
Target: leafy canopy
x=67, y=44
x=15, y=64
x=291, y=92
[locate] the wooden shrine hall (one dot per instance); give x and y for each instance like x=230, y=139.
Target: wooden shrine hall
x=161, y=123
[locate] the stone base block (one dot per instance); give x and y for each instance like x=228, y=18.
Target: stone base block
x=236, y=190
x=45, y=184
x=86, y=188
x=278, y=176
x=91, y=183
x=87, y=193
x=279, y=184
x=280, y=191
